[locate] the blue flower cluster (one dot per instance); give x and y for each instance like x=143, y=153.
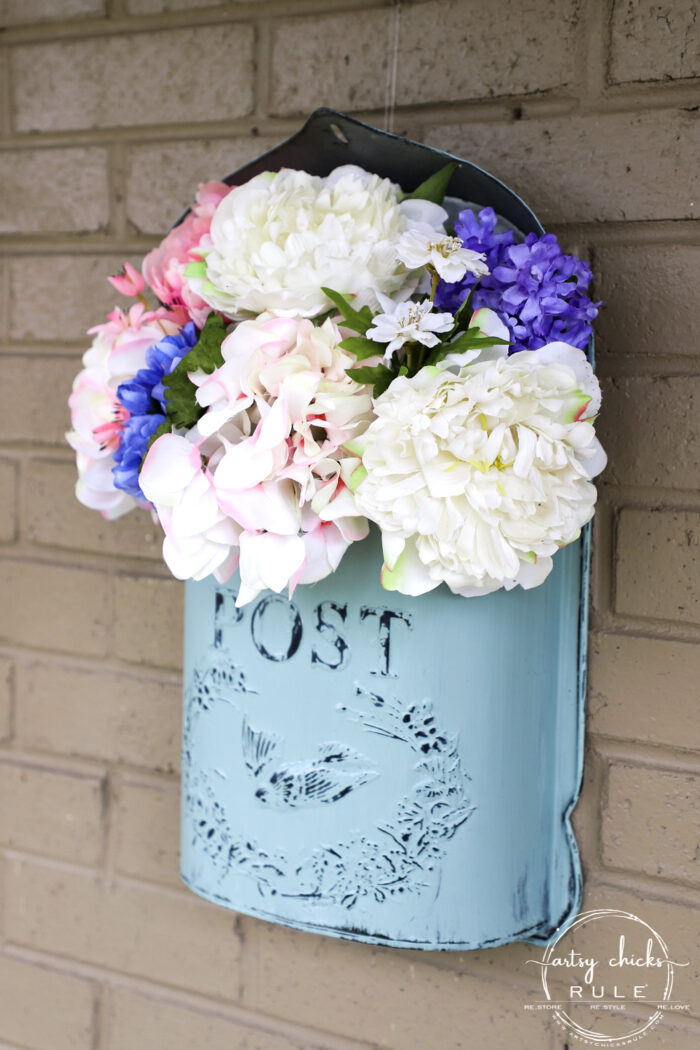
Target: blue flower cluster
x=539, y=292
x=144, y=398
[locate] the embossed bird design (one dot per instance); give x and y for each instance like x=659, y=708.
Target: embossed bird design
x=336, y=771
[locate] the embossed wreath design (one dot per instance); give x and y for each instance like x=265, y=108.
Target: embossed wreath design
x=407, y=848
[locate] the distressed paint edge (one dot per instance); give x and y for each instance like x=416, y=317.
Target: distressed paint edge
x=350, y=934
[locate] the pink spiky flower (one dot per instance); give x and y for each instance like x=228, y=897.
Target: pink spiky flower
x=128, y=282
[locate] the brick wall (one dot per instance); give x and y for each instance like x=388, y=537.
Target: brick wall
x=110, y=112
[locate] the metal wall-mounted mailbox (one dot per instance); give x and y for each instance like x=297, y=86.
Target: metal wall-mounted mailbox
x=367, y=765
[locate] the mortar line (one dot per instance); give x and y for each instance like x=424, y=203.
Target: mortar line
x=648, y=497
x=5, y=93
x=647, y=755
x=90, y=767
x=95, y=665
x=534, y=105
x=648, y=627
x=98, y=1013
x=116, y=175
x=611, y=632
x=643, y=886
x=5, y=291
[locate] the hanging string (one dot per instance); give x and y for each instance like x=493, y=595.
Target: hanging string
x=392, y=66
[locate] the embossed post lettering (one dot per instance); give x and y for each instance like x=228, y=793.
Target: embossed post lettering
x=225, y=612
x=385, y=619
x=296, y=628
x=332, y=634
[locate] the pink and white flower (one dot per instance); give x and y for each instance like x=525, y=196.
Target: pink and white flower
x=199, y=537
x=283, y=407
x=118, y=351
x=164, y=267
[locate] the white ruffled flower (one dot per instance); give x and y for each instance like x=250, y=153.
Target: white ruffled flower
x=277, y=239
x=447, y=255
x=476, y=479
x=408, y=322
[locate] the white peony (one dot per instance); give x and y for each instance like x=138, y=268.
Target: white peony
x=476, y=479
x=279, y=238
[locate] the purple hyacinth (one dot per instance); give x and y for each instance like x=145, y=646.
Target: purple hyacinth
x=478, y=234
x=144, y=399
x=539, y=292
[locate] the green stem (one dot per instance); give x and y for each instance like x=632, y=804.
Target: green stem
x=433, y=287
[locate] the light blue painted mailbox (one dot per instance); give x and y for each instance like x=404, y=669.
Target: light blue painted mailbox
x=371, y=766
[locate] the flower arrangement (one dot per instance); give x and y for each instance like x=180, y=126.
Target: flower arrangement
x=325, y=352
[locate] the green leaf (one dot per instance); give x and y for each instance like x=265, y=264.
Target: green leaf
x=196, y=269
x=322, y=318
x=205, y=356
x=472, y=339
x=434, y=188
x=358, y=320
x=436, y=355
x=357, y=477
x=378, y=376
x=464, y=314
x=361, y=347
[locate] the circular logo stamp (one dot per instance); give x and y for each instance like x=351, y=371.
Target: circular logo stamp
x=608, y=978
